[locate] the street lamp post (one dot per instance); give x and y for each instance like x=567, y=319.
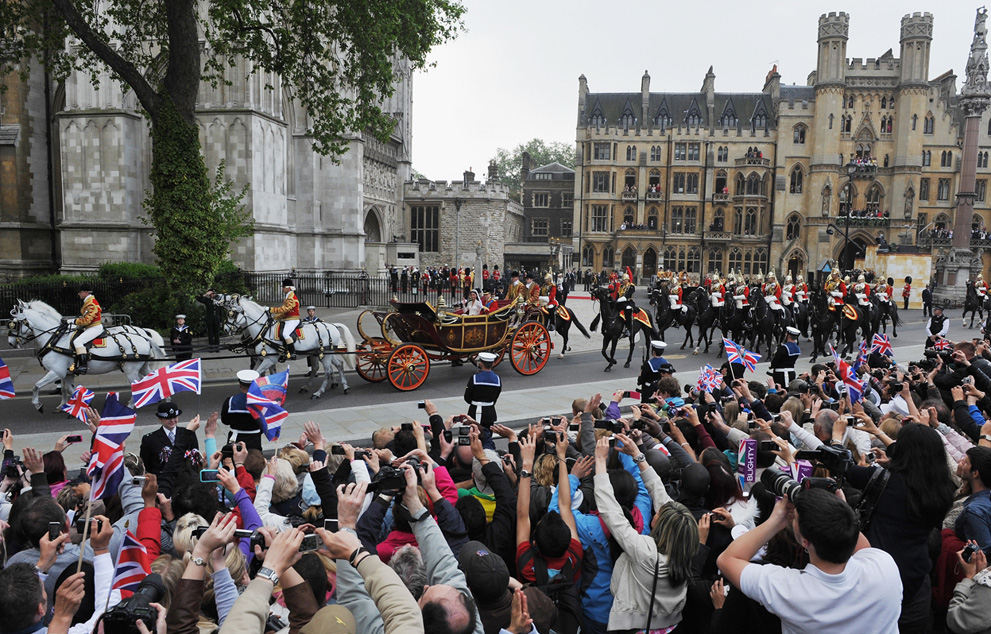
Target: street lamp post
x=851, y=169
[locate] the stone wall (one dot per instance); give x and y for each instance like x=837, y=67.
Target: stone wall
x=898, y=266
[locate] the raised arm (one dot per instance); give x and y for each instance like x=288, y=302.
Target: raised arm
x=527, y=448
x=564, y=485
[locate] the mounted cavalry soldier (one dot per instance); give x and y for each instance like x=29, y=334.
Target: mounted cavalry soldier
x=718, y=297
x=862, y=291
x=288, y=315
x=741, y=293
x=675, y=294
x=788, y=295
x=783, y=362
x=88, y=327
x=626, y=286
x=836, y=289
x=772, y=293
x=548, y=298
x=882, y=291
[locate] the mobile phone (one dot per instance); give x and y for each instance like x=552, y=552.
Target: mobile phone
x=78, y=438
x=420, y=405
x=361, y=454
x=406, y=426
x=81, y=525
x=870, y=457
x=550, y=436
x=138, y=480
x=968, y=552
x=631, y=394
x=336, y=450
x=209, y=475
x=768, y=445
x=54, y=530
x=612, y=443
x=448, y=436
x=310, y=542
x=574, y=426
x=464, y=430
x=464, y=441
x=330, y=525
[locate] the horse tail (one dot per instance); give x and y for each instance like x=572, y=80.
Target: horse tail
x=157, y=345
x=595, y=323
x=578, y=324
x=349, y=343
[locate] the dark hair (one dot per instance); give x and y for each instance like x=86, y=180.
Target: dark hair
x=552, y=536
x=435, y=617
x=311, y=569
x=30, y=523
x=829, y=524
x=86, y=607
x=980, y=461
x=54, y=467
x=624, y=487
x=20, y=596
x=773, y=402
x=669, y=385
x=254, y=463
x=757, y=388
x=723, y=485
x=473, y=514
x=688, y=431
x=918, y=456
x=403, y=443
x=189, y=495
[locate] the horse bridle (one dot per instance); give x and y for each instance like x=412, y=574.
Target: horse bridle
x=14, y=330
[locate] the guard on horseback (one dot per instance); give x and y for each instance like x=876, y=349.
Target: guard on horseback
x=718, y=297
x=88, y=327
x=772, y=293
x=788, y=295
x=837, y=291
x=862, y=291
x=882, y=291
x=288, y=317
x=741, y=293
x=801, y=291
x=675, y=294
x=548, y=297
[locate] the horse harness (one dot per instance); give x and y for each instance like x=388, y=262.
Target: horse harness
x=247, y=344
x=63, y=328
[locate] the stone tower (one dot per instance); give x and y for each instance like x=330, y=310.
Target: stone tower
x=834, y=29
x=954, y=267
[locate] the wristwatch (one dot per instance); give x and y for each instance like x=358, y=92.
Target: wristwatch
x=525, y=474
x=640, y=458
x=268, y=573
x=199, y=561
x=986, y=437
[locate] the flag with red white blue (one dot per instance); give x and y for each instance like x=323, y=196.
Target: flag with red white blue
x=848, y=376
x=882, y=344
x=78, y=403
x=709, y=379
x=6, y=385
x=943, y=344
x=735, y=353
x=106, y=464
x=179, y=377
x=265, y=398
x=132, y=566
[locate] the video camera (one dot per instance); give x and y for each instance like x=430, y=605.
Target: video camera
x=389, y=480
x=836, y=459
x=782, y=484
x=123, y=617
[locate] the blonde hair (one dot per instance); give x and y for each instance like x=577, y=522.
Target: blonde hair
x=545, y=470
x=285, y=481
x=299, y=459
x=890, y=426
x=795, y=407
x=182, y=538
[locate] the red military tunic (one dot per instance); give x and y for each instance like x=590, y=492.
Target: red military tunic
x=91, y=313
x=289, y=308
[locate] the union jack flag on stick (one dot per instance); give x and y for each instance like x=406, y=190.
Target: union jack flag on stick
x=854, y=386
x=6, y=385
x=106, y=465
x=179, y=377
x=132, y=566
x=735, y=353
x=709, y=379
x=265, y=398
x=943, y=344
x=882, y=344
x=78, y=403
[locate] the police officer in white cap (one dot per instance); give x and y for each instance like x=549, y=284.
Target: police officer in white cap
x=652, y=370
x=235, y=414
x=483, y=390
x=783, y=361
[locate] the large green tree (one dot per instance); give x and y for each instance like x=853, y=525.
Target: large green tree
x=335, y=57
x=510, y=162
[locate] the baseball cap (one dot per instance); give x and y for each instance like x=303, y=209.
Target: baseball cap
x=485, y=572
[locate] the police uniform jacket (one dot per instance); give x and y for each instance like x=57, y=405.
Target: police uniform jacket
x=650, y=374
x=481, y=395
x=153, y=447
x=235, y=415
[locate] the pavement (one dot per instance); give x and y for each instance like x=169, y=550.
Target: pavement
x=356, y=423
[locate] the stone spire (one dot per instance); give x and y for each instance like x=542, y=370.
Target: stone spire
x=977, y=64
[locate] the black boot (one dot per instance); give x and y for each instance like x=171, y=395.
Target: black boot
x=291, y=349
x=81, y=364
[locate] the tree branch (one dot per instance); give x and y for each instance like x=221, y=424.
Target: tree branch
x=127, y=71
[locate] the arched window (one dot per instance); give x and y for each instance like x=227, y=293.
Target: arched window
x=628, y=215
x=891, y=104
x=740, y=185
x=795, y=186
x=652, y=218
x=748, y=261
x=942, y=222
x=693, y=263
x=750, y=222
x=753, y=185
x=929, y=124
x=655, y=153
x=847, y=195
x=760, y=259
x=738, y=221
x=677, y=220
x=588, y=256
x=977, y=223
x=884, y=102
x=681, y=259
x=718, y=220
x=671, y=259
x=942, y=159
x=798, y=134
x=794, y=227
x=874, y=196
x=607, y=257
x=629, y=259
x=631, y=153
x=715, y=261
x=891, y=120
x=848, y=124
x=850, y=102
x=926, y=157
x=735, y=260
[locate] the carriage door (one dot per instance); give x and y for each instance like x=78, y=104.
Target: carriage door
x=649, y=263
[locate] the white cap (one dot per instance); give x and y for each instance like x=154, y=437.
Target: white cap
x=793, y=331
x=658, y=345
x=247, y=376
x=180, y=316
x=311, y=308
x=487, y=357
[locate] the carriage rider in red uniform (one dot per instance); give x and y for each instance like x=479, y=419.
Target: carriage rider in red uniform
x=88, y=327
x=532, y=293
x=862, y=291
x=288, y=315
x=548, y=297
x=836, y=289
x=772, y=292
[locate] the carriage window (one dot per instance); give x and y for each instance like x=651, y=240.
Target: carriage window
x=424, y=228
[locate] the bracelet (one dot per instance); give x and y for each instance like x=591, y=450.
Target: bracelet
x=640, y=458
x=685, y=444
x=357, y=551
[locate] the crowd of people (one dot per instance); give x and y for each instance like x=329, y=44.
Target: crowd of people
x=752, y=507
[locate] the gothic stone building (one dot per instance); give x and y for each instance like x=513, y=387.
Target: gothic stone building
x=712, y=181
x=71, y=192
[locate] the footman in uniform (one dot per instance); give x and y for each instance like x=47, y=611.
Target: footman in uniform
x=181, y=339
x=652, y=370
x=235, y=414
x=783, y=361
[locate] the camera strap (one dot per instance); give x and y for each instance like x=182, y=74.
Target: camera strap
x=653, y=593
x=872, y=493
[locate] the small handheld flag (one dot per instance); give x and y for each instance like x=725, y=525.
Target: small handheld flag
x=184, y=376
x=265, y=398
x=735, y=353
x=78, y=403
x=132, y=566
x=882, y=344
x=6, y=385
x=106, y=465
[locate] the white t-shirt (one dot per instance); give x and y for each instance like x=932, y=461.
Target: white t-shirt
x=865, y=597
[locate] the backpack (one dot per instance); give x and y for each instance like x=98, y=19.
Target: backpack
x=561, y=590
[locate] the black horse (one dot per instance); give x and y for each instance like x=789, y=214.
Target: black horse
x=884, y=311
x=765, y=323
x=973, y=304
x=732, y=322
x=666, y=317
x=850, y=325
x=822, y=321
x=706, y=320
x=563, y=325
x=612, y=327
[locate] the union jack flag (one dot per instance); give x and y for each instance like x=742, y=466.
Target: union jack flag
x=265, y=398
x=179, y=377
x=865, y=351
x=882, y=344
x=78, y=403
x=132, y=566
x=854, y=386
x=943, y=344
x=709, y=378
x=106, y=465
x=6, y=385
x=735, y=353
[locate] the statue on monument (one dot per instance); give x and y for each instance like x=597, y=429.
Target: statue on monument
x=977, y=63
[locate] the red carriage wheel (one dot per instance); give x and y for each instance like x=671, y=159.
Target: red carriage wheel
x=371, y=358
x=407, y=367
x=530, y=348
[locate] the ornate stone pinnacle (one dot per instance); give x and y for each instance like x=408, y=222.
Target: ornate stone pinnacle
x=977, y=64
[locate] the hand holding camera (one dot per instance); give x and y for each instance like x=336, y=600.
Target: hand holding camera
x=350, y=499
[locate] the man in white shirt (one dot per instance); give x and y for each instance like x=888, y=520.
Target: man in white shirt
x=847, y=585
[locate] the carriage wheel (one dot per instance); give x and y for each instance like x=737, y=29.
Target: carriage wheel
x=530, y=348
x=407, y=367
x=361, y=330
x=388, y=331
x=371, y=358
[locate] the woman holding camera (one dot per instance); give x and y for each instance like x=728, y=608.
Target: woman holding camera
x=902, y=506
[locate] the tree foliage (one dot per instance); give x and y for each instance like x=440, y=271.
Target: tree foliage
x=336, y=58
x=510, y=162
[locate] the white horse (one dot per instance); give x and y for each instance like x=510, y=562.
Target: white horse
x=127, y=348
x=318, y=338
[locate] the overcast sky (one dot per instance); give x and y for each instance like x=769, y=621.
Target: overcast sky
x=512, y=75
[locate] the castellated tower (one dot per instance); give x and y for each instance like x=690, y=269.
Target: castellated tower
x=916, y=41
x=913, y=87
x=834, y=29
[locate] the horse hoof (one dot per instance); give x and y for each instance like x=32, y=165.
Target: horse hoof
x=347, y=390
x=569, y=350
x=560, y=356
x=40, y=408
x=695, y=352
x=302, y=390
x=608, y=368
x=626, y=365
x=314, y=397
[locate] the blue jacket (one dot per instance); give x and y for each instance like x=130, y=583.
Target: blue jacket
x=597, y=600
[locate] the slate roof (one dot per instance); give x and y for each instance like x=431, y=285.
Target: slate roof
x=677, y=104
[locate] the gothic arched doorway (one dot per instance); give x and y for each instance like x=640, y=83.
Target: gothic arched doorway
x=649, y=263
x=795, y=264
x=629, y=259
x=372, y=228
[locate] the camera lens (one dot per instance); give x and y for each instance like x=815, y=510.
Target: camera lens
x=781, y=484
